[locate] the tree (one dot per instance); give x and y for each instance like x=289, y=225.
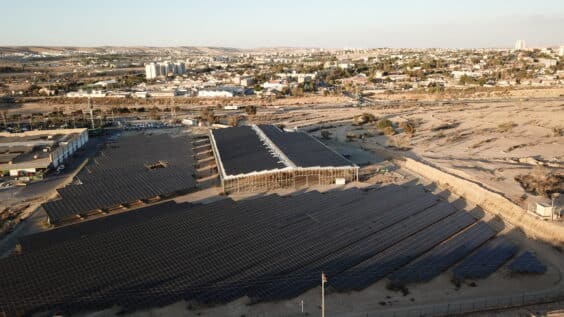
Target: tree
x=251, y=110
x=233, y=121
x=154, y=113
x=4, y=116
x=207, y=115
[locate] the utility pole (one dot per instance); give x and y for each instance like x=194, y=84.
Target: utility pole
x=554, y=197
x=172, y=108
x=323, y=281
x=91, y=113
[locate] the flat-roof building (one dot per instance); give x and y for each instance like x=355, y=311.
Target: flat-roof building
x=265, y=157
x=32, y=151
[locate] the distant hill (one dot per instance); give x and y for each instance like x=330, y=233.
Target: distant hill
x=189, y=50
x=118, y=49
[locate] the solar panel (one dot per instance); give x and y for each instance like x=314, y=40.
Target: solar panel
x=527, y=263
x=52, y=237
x=443, y=256
x=486, y=260
x=302, y=149
x=242, y=151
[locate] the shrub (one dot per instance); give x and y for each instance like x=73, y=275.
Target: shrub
x=326, y=134
x=364, y=118
x=369, y=117
x=351, y=136
x=408, y=127
x=383, y=124
x=207, y=115
x=389, y=130
x=506, y=127
x=233, y=121
x=251, y=110
x=542, y=182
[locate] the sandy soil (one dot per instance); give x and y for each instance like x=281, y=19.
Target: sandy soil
x=489, y=143
x=479, y=93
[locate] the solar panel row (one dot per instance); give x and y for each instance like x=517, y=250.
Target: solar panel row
x=135, y=167
x=323, y=242
x=486, y=260
x=349, y=250
x=400, y=254
x=52, y=237
x=527, y=263
x=440, y=258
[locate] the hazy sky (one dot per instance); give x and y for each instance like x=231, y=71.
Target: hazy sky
x=303, y=23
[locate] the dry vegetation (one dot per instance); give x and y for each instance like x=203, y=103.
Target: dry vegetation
x=506, y=127
x=542, y=181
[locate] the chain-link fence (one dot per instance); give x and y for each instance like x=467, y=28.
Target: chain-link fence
x=477, y=305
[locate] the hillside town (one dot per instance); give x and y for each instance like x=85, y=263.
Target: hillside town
x=182, y=72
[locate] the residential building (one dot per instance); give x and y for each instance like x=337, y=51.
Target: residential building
x=520, y=45
x=151, y=71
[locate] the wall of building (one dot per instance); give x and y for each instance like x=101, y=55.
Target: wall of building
x=64, y=151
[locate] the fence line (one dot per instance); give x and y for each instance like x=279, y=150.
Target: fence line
x=476, y=304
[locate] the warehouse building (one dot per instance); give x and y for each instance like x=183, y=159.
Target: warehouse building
x=265, y=157
x=23, y=154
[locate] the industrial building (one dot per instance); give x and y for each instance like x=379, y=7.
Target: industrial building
x=23, y=154
x=265, y=157
x=221, y=92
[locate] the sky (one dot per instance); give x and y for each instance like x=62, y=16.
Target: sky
x=288, y=23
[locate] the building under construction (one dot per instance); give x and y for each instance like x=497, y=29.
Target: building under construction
x=264, y=157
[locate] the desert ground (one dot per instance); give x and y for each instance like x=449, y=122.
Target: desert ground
x=491, y=143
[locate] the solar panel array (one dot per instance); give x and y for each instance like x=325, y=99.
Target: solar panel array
x=52, y=237
x=243, y=152
x=436, y=261
x=379, y=266
x=527, y=263
x=302, y=149
x=121, y=174
x=269, y=248
x=486, y=260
